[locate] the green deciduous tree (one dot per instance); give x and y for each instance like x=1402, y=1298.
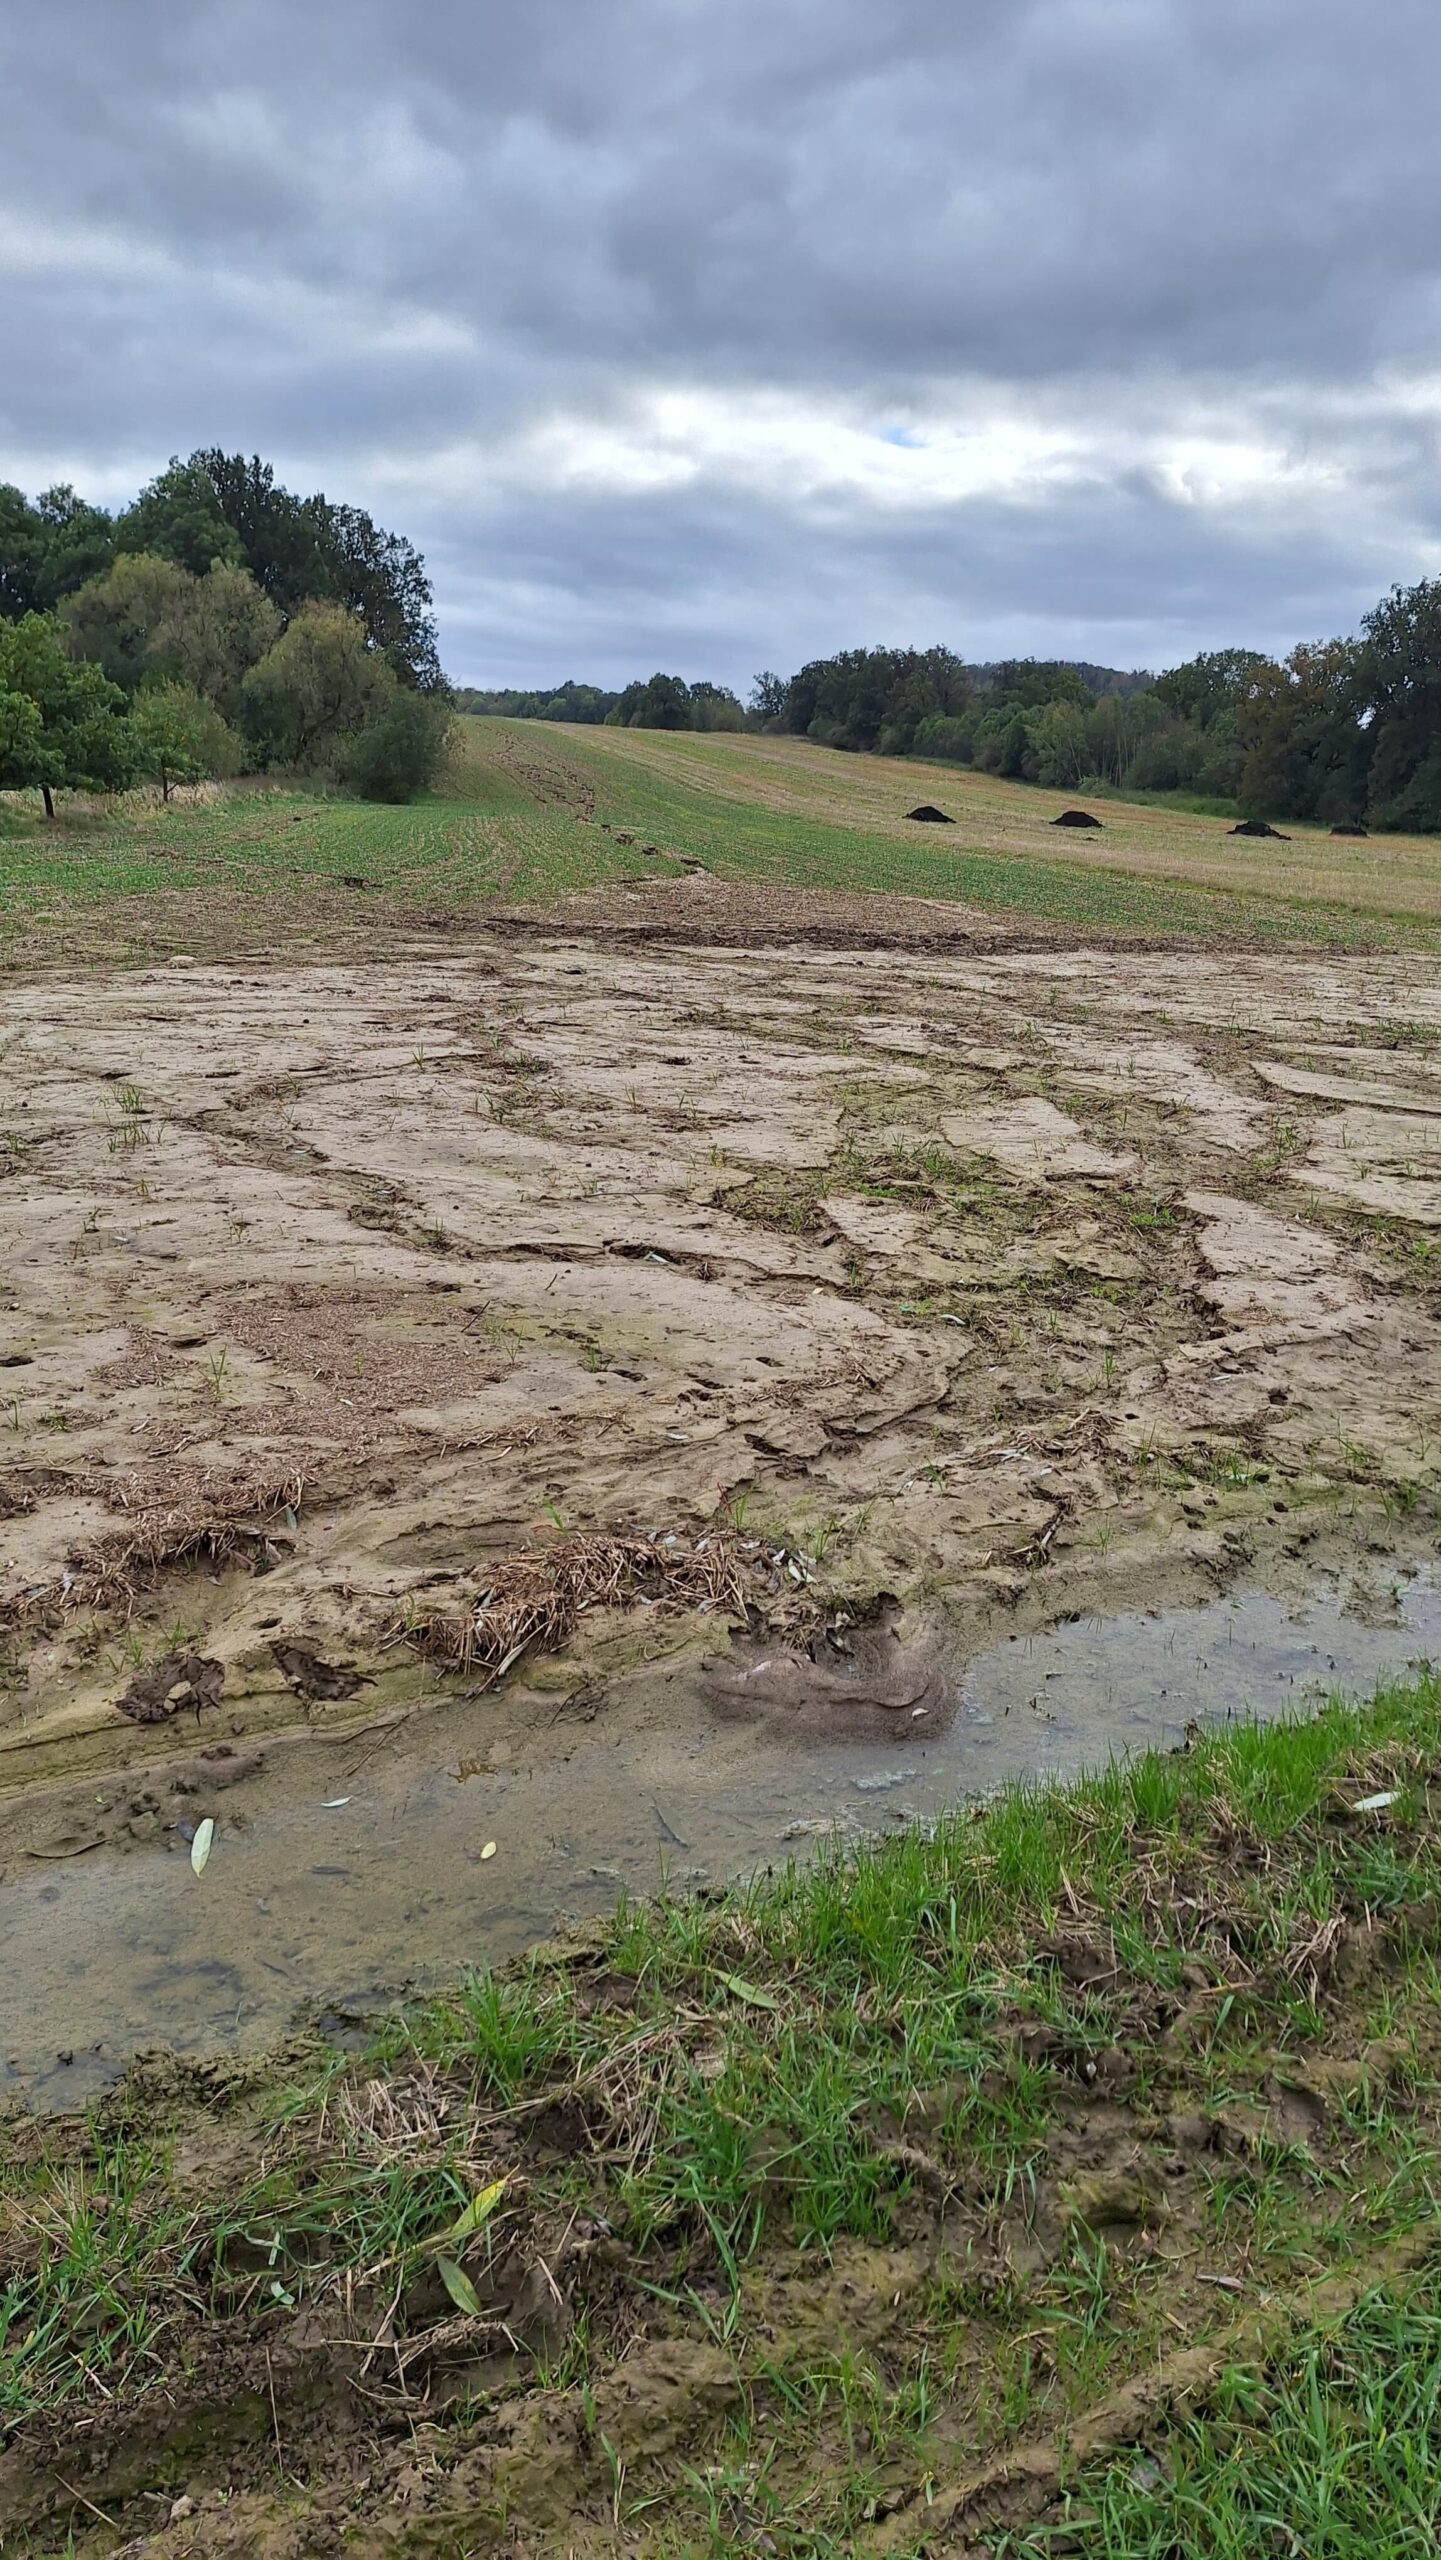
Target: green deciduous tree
x=148, y=617
x=79, y=543
x=1399, y=683
x=1059, y=743
x=22, y=550
x=316, y=689
x=1306, y=750
x=65, y=728
x=178, y=517
x=663, y=702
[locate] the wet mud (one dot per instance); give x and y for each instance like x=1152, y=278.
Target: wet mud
x=1015, y=1286
x=344, y=1872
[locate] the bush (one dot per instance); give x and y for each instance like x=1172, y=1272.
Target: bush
x=401, y=753
x=177, y=736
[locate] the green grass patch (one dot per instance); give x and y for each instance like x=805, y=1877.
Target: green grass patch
x=530, y=813
x=1331, y=2448
x=873, y=2069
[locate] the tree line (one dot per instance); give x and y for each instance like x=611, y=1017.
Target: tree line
x=218, y=625
x=657, y=702
x=1346, y=732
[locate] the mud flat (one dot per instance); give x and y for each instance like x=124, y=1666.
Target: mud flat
x=851, y=1317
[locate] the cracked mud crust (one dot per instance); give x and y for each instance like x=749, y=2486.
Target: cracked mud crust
x=1003, y=1282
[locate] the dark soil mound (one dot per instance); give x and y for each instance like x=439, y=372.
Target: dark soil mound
x=1350, y=831
x=1259, y=827
x=930, y=816
x=1075, y=818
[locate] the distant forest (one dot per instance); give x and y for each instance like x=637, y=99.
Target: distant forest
x=223, y=624
x=1346, y=732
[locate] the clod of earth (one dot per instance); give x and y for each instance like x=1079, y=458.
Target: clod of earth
x=1259, y=827
x=302, y=1666
x=1075, y=818
x=928, y=815
x=179, y=1684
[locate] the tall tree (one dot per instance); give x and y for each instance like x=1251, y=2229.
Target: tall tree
x=22, y=549
x=79, y=543
x=1400, y=684
x=178, y=517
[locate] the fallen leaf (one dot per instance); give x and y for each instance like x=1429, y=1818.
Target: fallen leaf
x=1378, y=1804
x=747, y=1991
x=333, y=1804
x=201, y=1845
x=1227, y=2284
x=460, y=2289
x=489, y=1850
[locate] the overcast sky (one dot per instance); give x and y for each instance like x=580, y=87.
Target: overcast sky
x=712, y=334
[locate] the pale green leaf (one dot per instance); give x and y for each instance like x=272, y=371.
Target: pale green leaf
x=460, y=2289
x=478, y=2212
x=753, y=1997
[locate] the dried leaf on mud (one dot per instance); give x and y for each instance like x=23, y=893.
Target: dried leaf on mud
x=201, y=1845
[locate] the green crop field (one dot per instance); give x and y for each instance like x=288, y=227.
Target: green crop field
x=532, y=812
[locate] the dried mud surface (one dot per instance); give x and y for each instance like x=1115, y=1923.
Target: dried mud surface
x=1009, y=1281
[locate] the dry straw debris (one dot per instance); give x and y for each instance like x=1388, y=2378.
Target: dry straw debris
x=536, y=1598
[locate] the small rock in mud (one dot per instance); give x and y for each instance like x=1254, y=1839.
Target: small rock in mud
x=179, y=1682
x=223, y=1766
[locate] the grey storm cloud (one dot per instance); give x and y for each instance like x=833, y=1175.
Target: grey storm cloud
x=700, y=336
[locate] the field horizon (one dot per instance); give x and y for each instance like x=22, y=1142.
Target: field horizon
x=534, y=812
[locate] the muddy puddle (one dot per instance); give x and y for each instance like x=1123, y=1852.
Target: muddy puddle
x=347, y=1869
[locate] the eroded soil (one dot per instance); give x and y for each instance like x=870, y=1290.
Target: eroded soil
x=1011, y=1282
